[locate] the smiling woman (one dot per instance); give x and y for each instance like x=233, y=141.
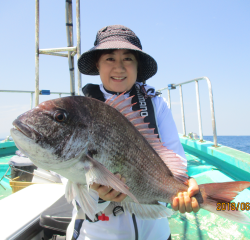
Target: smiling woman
x=118, y=70
x=118, y=58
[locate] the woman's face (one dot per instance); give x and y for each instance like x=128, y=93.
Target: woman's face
x=118, y=70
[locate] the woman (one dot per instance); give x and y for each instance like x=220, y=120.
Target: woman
x=122, y=65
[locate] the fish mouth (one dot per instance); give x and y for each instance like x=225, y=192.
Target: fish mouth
x=26, y=130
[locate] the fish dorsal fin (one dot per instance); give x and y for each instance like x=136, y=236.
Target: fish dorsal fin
x=176, y=164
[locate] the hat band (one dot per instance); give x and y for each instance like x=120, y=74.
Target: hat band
x=124, y=38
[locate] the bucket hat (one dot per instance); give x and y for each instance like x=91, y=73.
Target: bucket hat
x=117, y=37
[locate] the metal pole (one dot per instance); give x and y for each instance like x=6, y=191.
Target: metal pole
x=78, y=35
x=182, y=112
x=37, y=54
x=169, y=99
x=2, y=186
x=69, y=32
x=198, y=110
x=17, y=91
x=18, y=169
x=31, y=101
x=210, y=100
x=54, y=50
x=212, y=110
x=56, y=54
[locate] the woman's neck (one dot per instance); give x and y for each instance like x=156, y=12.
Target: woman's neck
x=116, y=93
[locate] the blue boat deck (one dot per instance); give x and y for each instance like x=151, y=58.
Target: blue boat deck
x=212, y=165
x=5, y=182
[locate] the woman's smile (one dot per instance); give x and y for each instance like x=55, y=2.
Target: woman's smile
x=118, y=70
x=118, y=79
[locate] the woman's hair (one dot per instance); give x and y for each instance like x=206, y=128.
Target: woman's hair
x=99, y=53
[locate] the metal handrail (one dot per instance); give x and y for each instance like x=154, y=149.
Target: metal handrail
x=173, y=86
x=32, y=92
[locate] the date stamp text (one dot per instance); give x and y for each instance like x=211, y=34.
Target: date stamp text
x=223, y=206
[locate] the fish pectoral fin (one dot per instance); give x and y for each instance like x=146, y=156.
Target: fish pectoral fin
x=87, y=198
x=69, y=192
x=147, y=211
x=97, y=173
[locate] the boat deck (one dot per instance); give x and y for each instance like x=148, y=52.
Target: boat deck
x=206, y=225
x=207, y=165
x=5, y=182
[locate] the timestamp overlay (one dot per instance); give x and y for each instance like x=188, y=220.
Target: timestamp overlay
x=227, y=206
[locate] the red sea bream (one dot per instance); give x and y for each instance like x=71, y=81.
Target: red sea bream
x=88, y=141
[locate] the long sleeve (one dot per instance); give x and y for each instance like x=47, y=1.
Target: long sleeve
x=167, y=128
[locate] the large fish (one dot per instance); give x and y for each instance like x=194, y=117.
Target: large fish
x=88, y=141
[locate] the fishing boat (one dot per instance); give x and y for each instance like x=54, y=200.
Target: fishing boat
x=37, y=210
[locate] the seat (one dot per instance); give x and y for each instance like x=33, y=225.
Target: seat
x=57, y=217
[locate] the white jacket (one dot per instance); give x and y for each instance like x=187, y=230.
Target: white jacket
x=122, y=227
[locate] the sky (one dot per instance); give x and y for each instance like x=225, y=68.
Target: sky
x=188, y=39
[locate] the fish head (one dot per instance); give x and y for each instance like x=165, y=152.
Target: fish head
x=54, y=133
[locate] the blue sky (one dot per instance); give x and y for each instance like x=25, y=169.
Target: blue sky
x=188, y=39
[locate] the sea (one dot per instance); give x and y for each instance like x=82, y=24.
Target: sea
x=241, y=143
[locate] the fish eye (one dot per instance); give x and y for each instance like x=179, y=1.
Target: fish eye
x=60, y=116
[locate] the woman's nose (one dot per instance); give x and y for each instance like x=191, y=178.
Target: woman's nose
x=119, y=65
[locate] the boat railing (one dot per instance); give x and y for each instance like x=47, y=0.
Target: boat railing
x=196, y=80
x=41, y=92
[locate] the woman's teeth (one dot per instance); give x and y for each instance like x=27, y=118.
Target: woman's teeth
x=118, y=78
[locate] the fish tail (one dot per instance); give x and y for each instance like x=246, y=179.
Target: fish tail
x=217, y=197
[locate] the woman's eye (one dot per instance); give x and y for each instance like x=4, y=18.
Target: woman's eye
x=110, y=59
x=128, y=59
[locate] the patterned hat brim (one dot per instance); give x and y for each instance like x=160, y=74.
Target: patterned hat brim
x=87, y=65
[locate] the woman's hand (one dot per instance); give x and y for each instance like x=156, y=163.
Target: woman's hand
x=185, y=202
x=108, y=193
